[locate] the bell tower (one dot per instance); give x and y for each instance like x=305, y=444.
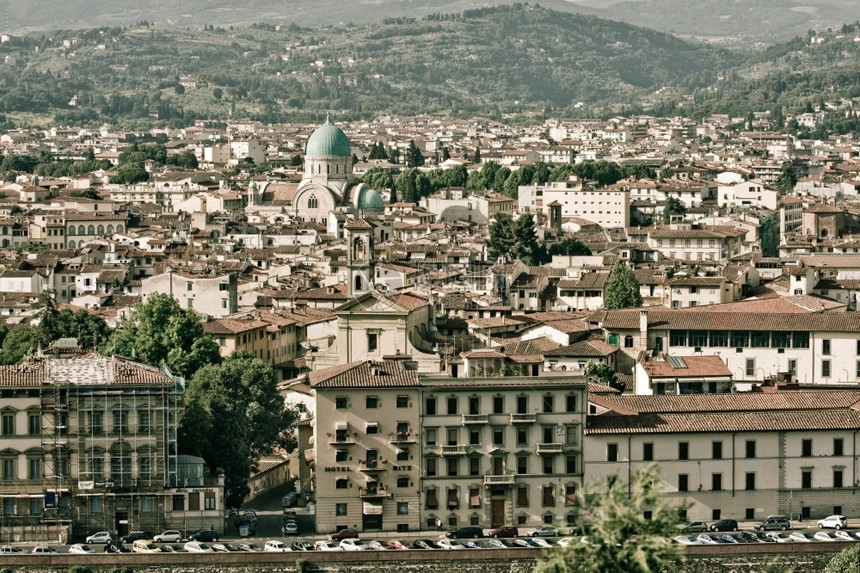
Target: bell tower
x=359, y=255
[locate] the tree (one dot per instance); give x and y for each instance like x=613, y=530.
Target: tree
x=129, y=174
x=89, y=193
x=241, y=392
x=604, y=374
x=622, y=289
x=787, y=178
x=378, y=151
x=414, y=158
x=217, y=93
x=378, y=178
x=412, y=185
x=620, y=538
x=673, y=207
x=21, y=342
x=570, y=246
x=846, y=561
x=160, y=332
x=516, y=238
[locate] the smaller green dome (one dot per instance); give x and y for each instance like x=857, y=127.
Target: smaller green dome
x=369, y=199
x=328, y=140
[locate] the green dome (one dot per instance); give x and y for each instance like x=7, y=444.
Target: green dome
x=328, y=141
x=370, y=199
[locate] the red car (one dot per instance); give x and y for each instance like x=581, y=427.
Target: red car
x=504, y=531
x=345, y=534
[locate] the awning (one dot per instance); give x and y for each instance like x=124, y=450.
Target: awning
x=340, y=426
x=372, y=508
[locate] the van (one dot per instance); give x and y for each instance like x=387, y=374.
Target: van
x=143, y=546
x=779, y=522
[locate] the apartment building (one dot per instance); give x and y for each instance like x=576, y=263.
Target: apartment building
x=211, y=294
x=396, y=450
x=697, y=242
x=609, y=207
x=741, y=456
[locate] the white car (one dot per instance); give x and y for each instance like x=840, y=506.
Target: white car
x=100, y=538
x=686, y=540
x=275, y=546
x=197, y=547
x=780, y=536
x=827, y=536
x=81, y=548
x=11, y=549
x=169, y=536
x=44, y=549
x=833, y=522
x=540, y=542
x=326, y=546
x=449, y=544
x=496, y=544
x=565, y=541
x=802, y=537
x=847, y=535
x=144, y=546
x=353, y=545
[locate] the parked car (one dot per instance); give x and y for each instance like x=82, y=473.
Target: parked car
x=290, y=528
x=116, y=548
x=695, y=527
x=301, y=546
x=468, y=532
x=780, y=537
x=207, y=535
x=827, y=536
x=802, y=536
x=449, y=544
x=44, y=549
x=546, y=531
x=833, y=522
x=725, y=525
x=10, y=549
x=709, y=539
x=686, y=540
x=540, y=542
x=377, y=545
x=275, y=546
x=395, y=544
x=495, y=543
x=504, y=531
x=846, y=535
x=344, y=534
x=99, y=538
x=197, y=547
x=169, y=536
x=252, y=547
x=144, y=546
x=135, y=535
x=326, y=546
x=772, y=522
x=81, y=548
x=167, y=549
x=353, y=544
x=424, y=544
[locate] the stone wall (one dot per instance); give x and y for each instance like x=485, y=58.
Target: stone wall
x=803, y=558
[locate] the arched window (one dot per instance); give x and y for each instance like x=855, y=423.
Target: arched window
x=71, y=231
x=91, y=230
x=358, y=282
x=119, y=228
x=101, y=230
x=313, y=202
x=81, y=230
x=628, y=341
x=72, y=244
x=110, y=229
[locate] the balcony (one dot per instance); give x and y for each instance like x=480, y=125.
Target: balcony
x=453, y=450
x=374, y=493
x=341, y=440
x=501, y=479
x=549, y=448
x=523, y=418
x=371, y=466
x=471, y=419
x=407, y=437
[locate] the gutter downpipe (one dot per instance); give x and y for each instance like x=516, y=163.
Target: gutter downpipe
x=734, y=434
x=629, y=465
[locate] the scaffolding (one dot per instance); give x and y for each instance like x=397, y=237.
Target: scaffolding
x=56, y=454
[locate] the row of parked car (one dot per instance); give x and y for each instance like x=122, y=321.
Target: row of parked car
x=355, y=544
x=766, y=537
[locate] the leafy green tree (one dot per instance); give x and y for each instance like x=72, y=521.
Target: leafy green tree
x=242, y=393
x=159, y=331
x=89, y=193
x=604, y=374
x=378, y=178
x=569, y=246
x=378, y=151
x=217, y=93
x=414, y=158
x=846, y=561
x=412, y=185
x=673, y=207
x=516, y=238
x=20, y=342
x=787, y=178
x=622, y=289
x=620, y=538
x=129, y=174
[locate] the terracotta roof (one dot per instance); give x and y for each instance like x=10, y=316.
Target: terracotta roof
x=687, y=367
x=87, y=370
x=364, y=374
x=584, y=348
x=231, y=326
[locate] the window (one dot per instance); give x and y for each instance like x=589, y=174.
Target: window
x=522, y=437
x=144, y=465
x=570, y=403
x=177, y=503
x=474, y=466
x=143, y=421
x=430, y=465
x=683, y=482
x=341, y=509
x=570, y=494
x=402, y=508
x=548, y=464
x=474, y=437
x=806, y=448
x=838, y=446
x=8, y=424
x=750, y=480
x=341, y=402
x=498, y=405
x=453, y=498
x=209, y=500
x=806, y=479
x=628, y=341
x=548, y=403
x=402, y=402
x=120, y=422
x=403, y=482
x=522, y=405
x=453, y=466
x=35, y=506
x=570, y=464
x=430, y=434
x=372, y=341
x=341, y=456
x=146, y=504
x=717, y=482
x=837, y=478
x=683, y=450
x=371, y=428
x=403, y=455
x=432, y=500
x=341, y=483
x=194, y=501
x=750, y=448
x=474, y=497
x=825, y=347
x=648, y=451
x=522, y=465
x=825, y=368
x=8, y=469
x=548, y=496
x=430, y=405
x=33, y=424
x=571, y=434
x=498, y=436
x=717, y=450
x=371, y=402
x=452, y=405
x=522, y=496
x=612, y=452
x=750, y=370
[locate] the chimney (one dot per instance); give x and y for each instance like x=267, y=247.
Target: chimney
x=643, y=329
